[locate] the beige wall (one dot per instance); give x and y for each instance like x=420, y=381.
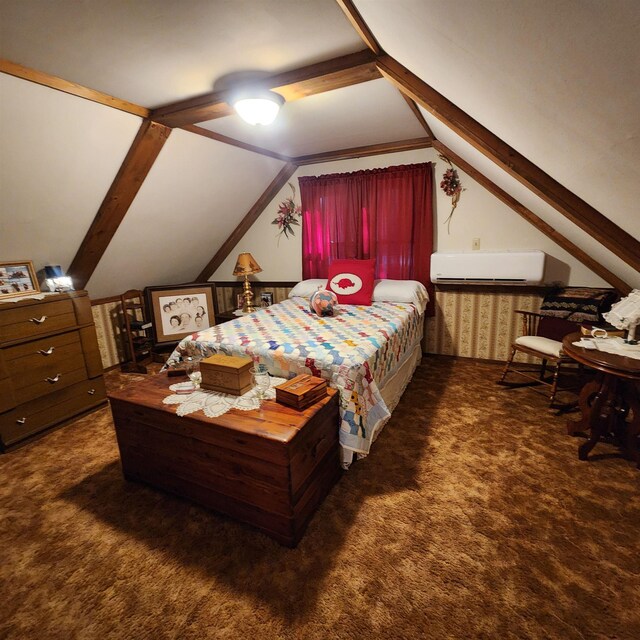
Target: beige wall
x=478, y=215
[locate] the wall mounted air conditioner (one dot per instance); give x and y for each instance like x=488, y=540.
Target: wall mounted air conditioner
x=488, y=267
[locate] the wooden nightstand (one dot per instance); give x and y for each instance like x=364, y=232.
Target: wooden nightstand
x=225, y=316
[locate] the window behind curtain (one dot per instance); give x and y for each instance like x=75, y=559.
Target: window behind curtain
x=386, y=214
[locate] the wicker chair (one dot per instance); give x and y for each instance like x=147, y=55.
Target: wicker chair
x=541, y=338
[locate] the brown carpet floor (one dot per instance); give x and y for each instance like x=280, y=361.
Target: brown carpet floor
x=472, y=518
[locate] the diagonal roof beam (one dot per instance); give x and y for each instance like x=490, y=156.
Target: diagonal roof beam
x=566, y=202
x=587, y=260
x=53, y=82
x=218, y=137
x=361, y=152
x=358, y=23
x=137, y=163
x=253, y=214
x=292, y=85
x=418, y=114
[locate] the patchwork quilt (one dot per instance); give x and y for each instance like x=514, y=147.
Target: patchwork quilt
x=355, y=351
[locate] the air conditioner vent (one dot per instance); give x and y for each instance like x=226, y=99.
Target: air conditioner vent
x=487, y=267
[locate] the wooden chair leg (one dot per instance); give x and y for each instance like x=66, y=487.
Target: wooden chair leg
x=506, y=369
x=554, y=385
x=543, y=368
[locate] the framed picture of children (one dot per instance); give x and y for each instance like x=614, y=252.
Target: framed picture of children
x=180, y=310
x=17, y=279
x=266, y=299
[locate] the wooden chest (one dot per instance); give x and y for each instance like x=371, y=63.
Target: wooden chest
x=50, y=366
x=228, y=374
x=270, y=468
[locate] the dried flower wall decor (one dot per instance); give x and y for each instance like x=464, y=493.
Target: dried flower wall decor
x=288, y=214
x=452, y=186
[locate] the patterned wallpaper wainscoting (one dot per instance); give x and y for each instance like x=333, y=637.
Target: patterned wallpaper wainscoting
x=226, y=292
x=471, y=322
x=478, y=321
x=108, y=320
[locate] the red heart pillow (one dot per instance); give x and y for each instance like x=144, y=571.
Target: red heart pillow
x=352, y=281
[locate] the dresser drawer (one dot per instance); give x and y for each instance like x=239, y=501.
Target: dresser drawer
x=32, y=417
x=44, y=366
x=30, y=321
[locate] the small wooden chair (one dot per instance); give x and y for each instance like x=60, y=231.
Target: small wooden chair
x=541, y=338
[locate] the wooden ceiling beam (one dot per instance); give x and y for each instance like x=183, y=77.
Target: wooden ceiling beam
x=358, y=23
x=418, y=114
x=252, y=215
x=587, y=260
x=140, y=158
x=361, y=152
x=53, y=82
x=570, y=205
x=218, y=137
x=292, y=85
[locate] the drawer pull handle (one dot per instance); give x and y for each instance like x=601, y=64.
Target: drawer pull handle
x=48, y=352
x=21, y=420
x=53, y=380
x=91, y=391
x=38, y=320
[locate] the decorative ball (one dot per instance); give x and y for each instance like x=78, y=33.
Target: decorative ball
x=323, y=302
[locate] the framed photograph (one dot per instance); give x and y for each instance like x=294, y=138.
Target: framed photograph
x=266, y=299
x=17, y=279
x=179, y=310
x=239, y=300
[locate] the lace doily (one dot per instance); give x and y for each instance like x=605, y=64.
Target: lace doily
x=214, y=403
x=610, y=345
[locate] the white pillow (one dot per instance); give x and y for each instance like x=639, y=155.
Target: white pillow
x=307, y=288
x=401, y=291
x=383, y=291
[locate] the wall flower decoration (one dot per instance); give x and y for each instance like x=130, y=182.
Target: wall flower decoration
x=288, y=214
x=452, y=186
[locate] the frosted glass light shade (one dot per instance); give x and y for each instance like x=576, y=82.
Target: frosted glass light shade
x=261, y=108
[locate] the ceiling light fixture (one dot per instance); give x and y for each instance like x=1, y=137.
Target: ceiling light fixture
x=257, y=107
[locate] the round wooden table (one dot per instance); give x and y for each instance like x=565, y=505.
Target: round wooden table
x=611, y=402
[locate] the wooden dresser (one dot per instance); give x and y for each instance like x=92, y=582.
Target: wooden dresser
x=50, y=366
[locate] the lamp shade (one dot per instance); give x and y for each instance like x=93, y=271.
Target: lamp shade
x=258, y=107
x=246, y=265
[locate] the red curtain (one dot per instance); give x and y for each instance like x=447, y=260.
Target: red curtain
x=386, y=214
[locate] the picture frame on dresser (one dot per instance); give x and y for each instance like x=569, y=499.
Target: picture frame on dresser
x=17, y=278
x=179, y=310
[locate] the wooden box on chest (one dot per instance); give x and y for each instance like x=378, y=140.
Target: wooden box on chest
x=50, y=366
x=227, y=374
x=270, y=468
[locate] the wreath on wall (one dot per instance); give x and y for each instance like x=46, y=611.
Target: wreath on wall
x=452, y=186
x=288, y=214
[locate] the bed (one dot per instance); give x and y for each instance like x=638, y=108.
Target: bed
x=367, y=353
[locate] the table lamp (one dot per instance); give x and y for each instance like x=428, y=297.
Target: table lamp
x=246, y=266
x=625, y=314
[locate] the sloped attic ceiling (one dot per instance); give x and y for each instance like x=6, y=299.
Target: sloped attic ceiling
x=517, y=68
